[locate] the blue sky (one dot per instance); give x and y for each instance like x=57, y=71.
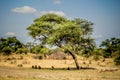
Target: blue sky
x=17, y=15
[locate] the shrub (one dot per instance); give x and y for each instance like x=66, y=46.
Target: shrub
x=21, y=50
x=117, y=58
x=106, y=55
x=96, y=57
x=7, y=50
x=25, y=50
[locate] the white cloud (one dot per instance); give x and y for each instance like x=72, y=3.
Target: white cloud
x=57, y=2
x=61, y=13
x=24, y=9
x=10, y=33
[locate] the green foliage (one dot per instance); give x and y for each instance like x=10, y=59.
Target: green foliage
x=96, y=57
x=44, y=50
x=36, y=49
x=97, y=53
x=19, y=51
x=44, y=25
x=22, y=50
x=7, y=50
x=117, y=57
x=40, y=49
x=106, y=55
x=110, y=47
x=10, y=44
x=70, y=35
x=55, y=30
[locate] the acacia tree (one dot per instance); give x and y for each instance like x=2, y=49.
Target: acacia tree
x=70, y=35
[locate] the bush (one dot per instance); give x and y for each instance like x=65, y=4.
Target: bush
x=36, y=49
x=25, y=50
x=22, y=50
x=19, y=51
x=117, y=58
x=96, y=57
x=7, y=50
x=106, y=55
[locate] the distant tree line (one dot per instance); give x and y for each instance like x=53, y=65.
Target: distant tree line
x=13, y=45
x=110, y=48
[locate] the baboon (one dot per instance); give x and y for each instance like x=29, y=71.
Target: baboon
x=52, y=67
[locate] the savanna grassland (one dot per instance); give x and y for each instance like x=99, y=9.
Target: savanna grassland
x=22, y=67
x=38, y=60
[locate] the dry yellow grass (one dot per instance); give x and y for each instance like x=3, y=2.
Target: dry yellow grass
x=9, y=69
x=47, y=74
x=29, y=60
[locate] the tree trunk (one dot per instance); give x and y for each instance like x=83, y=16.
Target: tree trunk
x=75, y=59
